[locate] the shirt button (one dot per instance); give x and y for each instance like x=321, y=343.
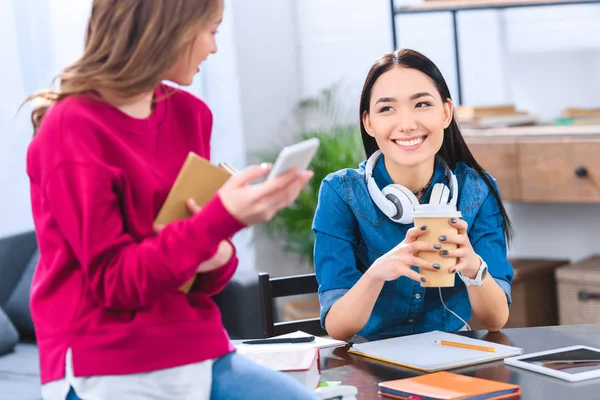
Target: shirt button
x=411, y=320
x=417, y=296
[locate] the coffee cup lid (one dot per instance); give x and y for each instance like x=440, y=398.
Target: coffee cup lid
x=436, y=210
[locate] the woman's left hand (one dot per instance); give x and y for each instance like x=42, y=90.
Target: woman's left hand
x=468, y=261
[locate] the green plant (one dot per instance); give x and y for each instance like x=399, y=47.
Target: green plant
x=341, y=147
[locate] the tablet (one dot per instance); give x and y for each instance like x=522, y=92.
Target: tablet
x=575, y=363
x=296, y=155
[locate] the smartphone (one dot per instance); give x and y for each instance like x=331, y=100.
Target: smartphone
x=296, y=155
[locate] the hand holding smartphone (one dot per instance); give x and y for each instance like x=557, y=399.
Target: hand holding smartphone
x=296, y=155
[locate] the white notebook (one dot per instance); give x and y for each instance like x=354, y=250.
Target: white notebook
x=425, y=353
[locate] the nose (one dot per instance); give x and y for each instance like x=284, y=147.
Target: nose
x=406, y=121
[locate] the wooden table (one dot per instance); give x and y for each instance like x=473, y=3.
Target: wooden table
x=365, y=374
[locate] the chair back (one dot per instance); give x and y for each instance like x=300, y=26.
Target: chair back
x=272, y=288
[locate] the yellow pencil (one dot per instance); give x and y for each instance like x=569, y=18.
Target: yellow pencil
x=467, y=346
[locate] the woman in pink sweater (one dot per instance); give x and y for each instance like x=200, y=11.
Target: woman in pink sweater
x=110, y=320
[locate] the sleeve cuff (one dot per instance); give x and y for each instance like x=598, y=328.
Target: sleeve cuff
x=327, y=299
x=222, y=224
x=505, y=286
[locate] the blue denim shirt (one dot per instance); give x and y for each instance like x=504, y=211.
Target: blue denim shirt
x=351, y=233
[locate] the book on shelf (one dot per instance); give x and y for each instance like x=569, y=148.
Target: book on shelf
x=493, y=117
x=578, y=116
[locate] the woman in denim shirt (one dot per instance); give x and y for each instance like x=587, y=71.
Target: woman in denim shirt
x=365, y=262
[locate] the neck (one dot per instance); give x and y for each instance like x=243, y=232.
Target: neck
x=140, y=106
x=413, y=177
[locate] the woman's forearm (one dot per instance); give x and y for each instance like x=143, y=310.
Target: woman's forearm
x=349, y=314
x=489, y=304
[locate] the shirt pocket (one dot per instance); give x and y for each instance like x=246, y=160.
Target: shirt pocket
x=365, y=257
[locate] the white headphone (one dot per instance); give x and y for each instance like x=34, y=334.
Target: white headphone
x=398, y=203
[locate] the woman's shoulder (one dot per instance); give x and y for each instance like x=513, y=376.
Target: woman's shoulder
x=79, y=112
x=184, y=99
x=473, y=189
x=349, y=177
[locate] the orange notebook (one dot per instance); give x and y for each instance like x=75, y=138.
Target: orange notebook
x=447, y=386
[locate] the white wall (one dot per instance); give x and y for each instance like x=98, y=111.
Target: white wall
x=270, y=88
x=37, y=40
x=218, y=85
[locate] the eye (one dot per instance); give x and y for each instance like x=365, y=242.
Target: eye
x=386, y=108
x=423, y=104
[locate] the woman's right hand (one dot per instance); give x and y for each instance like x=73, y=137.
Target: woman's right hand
x=255, y=203
x=398, y=261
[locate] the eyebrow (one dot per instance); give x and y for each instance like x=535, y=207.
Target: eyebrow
x=386, y=100
x=420, y=94
x=412, y=97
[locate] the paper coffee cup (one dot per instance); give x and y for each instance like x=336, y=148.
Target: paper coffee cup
x=437, y=219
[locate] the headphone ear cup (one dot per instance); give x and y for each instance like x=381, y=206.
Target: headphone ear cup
x=404, y=200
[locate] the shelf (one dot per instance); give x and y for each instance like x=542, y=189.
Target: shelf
x=532, y=132
x=460, y=5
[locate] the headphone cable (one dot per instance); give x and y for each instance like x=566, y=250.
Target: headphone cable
x=452, y=312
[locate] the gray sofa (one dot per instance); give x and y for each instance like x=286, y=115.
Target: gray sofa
x=19, y=366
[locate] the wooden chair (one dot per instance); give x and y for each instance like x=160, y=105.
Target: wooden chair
x=272, y=288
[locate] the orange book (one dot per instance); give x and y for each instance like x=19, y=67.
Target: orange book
x=447, y=386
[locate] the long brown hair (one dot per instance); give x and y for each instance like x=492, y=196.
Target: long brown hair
x=129, y=47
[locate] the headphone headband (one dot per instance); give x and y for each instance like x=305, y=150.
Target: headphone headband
x=397, y=202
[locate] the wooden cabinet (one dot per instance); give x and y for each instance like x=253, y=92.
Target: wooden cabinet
x=541, y=165
x=533, y=294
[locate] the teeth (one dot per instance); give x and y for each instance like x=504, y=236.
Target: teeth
x=408, y=143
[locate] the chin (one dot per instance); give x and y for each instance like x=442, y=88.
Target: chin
x=411, y=159
x=184, y=81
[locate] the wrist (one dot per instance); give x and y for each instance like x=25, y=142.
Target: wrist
x=478, y=278
x=372, y=277
x=471, y=273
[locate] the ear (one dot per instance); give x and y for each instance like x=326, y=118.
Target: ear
x=448, y=112
x=367, y=123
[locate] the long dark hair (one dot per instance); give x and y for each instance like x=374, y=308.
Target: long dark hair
x=454, y=148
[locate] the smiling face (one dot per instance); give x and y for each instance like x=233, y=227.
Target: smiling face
x=203, y=44
x=407, y=116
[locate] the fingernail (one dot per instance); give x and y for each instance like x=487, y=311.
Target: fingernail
x=443, y=238
x=424, y=228
x=423, y=279
x=437, y=266
x=264, y=165
x=453, y=270
x=437, y=246
x=453, y=220
x=444, y=252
